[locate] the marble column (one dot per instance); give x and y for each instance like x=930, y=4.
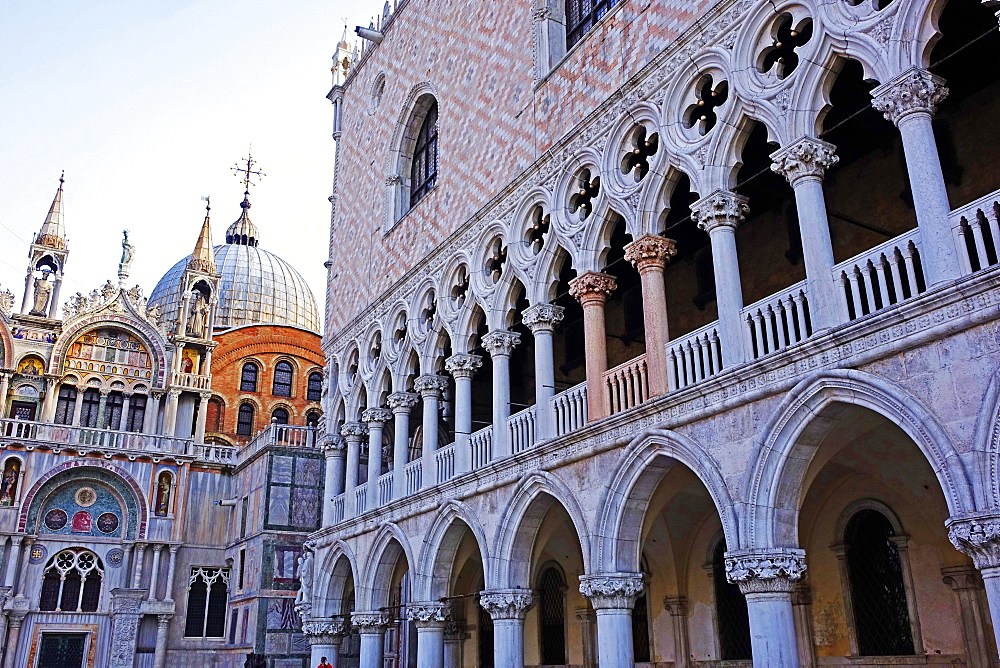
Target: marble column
x=49, y=401
x=592, y=290
x=649, y=254
x=170, y=416
x=78, y=405
x=500, y=343
x=126, y=402
x=199, y=428
x=542, y=319
x=168, y=594
x=967, y=584
x=102, y=406
x=334, y=449
x=160, y=651
x=767, y=578
x=462, y=368
x=612, y=595
x=910, y=100
x=325, y=637
x=978, y=536
x=15, y=621
x=13, y=560
x=140, y=562
x=401, y=403
x=125, y=615
x=507, y=608
x=154, y=572
x=804, y=163
x=677, y=606
x=4, y=389
x=719, y=214
x=430, y=619
x=431, y=388
x=353, y=433
x=371, y=627
x=375, y=418
x=149, y=419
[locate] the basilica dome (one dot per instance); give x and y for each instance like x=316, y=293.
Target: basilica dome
x=256, y=286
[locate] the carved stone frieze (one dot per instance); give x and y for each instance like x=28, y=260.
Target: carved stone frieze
x=507, y=603
x=542, y=317
x=429, y=614
x=650, y=250
x=612, y=590
x=978, y=536
x=804, y=158
x=462, y=365
x=913, y=91
x=501, y=342
x=766, y=571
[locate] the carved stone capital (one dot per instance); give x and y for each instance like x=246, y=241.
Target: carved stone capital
x=462, y=365
x=369, y=622
x=978, y=536
x=454, y=631
x=376, y=416
x=353, y=431
x=501, y=342
x=507, y=603
x=334, y=445
x=961, y=578
x=542, y=317
x=676, y=605
x=650, y=251
x=430, y=385
x=804, y=158
x=325, y=631
x=429, y=615
x=720, y=209
x=616, y=591
x=402, y=402
x=913, y=91
x=776, y=570
x=592, y=287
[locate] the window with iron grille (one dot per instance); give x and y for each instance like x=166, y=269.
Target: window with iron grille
x=206, y=605
x=65, y=404
x=314, y=389
x=72, y=582
x=282, y=380
x=730, y=611
x=881, y=616
x=552, y=616
x=248, y=378
x=423, y=168
x=640, y=630
x=581, y=15
x=244, y=420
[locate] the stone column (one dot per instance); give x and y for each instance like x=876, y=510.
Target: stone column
x=102, y=406
x=325, y=637
x=767, y=578
x=199, y=427
x=160, y=651
x=430, y=388
x=507, y=608
x=375, y=418
x=966, y=583
x=140, y=562
x=678, y=608
x=170, y=416
x=371, y=626
x=909, y=101
x=16, y=620
x=4, y=389
x=152, y=412
x=462, y=368
x=353, y=433
x=49, y=401
x=154, y=572
x=500, y=343
x=719, y=214
x=78, y=405
x=612, y=596
x=588, y=633
x=168, y=594
x=430, y=619
x=801, y=608
x=334, y=449
x=649, y=254
x=454, y=636
x=401, y=403
x=592, y=290
x=13, y=560
x=542, y=319
x=125, y=615
x=126, y=402
x=978, y=536
x=804, y=163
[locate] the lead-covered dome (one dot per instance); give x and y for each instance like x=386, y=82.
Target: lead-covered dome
x=256, y=286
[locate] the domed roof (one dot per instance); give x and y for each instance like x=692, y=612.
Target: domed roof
x=257, y=287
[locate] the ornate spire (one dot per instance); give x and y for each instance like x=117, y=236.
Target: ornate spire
x=53, y=233
x=203, y=258
x=243, y=232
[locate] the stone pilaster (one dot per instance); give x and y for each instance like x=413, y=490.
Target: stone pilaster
x=125, y=615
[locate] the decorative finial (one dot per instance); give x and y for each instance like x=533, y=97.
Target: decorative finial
x=62, y=178
x=207, y=199
x=248, y=173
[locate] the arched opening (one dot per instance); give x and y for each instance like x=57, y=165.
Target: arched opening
x=248, y=377
x=65, y=404
x=279, y=416
x=391, y=593
x=424, y=161
x=283, y=374
x=72, y=582
x=568, y=346
x=314, y=387
x=482, y=381
x=90, y=407
x=245, y=419
x=522, y=358
x=625, y=326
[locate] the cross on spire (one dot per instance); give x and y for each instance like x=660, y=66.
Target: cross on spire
x=248, y=173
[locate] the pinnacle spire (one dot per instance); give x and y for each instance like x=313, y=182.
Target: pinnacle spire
x=53, y=232
x=203, y=258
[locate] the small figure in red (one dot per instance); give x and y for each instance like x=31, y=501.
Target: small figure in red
x=323, y=663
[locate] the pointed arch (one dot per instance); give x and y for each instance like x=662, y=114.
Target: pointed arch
x=440, y=547
x=338, y=564
x=389, y=544
x=986, y=446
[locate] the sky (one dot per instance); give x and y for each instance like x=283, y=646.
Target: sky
x=147, y=105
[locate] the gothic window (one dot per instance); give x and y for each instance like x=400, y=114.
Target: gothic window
x=731, y=614
x=164, y=483
x=244, y=420
x=136, y=413
x=552, y=615
x=282, y=380
x=248, y=378
x=113, y=410
x=314, y=390
x=878, y=596
x=91, y=403
x=72, y=582
x=65, y=404
x=423, y=168
x=279, y=416
x=581, y=15
x=206, y=604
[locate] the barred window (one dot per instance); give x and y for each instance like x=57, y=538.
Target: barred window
x=552, y=616
x=113, y=406
x=731, y=611
x=248, y=378
x=423, y=169
x=314, y=389
x=244, y=420
x=65, y=404
x=72, y=582
x=282, y=380
x=581, y=15
x=207, y=600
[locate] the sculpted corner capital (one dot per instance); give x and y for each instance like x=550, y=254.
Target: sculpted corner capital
x=542, y=317
x=773, y=570
x=376, y=415
x=430, y=385
x=913, y=91
x=720, y=209
x=977, y=536
x=402, y=401
x=803, y=158
x=592, y=286
x=501, y=342
x=507, y=603
x=612, y=590
x=650, y=251
x=462, y=365
x=429, y=614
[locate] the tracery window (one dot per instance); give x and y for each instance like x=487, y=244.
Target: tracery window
x=731, y=613
x=206, y=606
x=314, y=389
x=65, y=404
x=581, y=15
x=552, y=616
x=248, y=378
x=91, y=404
x=72, y=582
x=423, y=168
x=282, y=380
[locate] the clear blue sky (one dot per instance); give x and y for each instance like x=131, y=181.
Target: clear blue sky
x=147, y=105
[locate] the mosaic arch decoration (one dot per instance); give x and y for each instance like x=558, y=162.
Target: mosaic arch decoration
x=110, y=351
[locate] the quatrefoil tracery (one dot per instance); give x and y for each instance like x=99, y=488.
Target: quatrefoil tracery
x=399, y=332
x=460, y=291
x=582, y=200
x=430, y=309
x=535, y=234
x=702, y=113
x=496, y=260
x=645, y=144
x=781, y=56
